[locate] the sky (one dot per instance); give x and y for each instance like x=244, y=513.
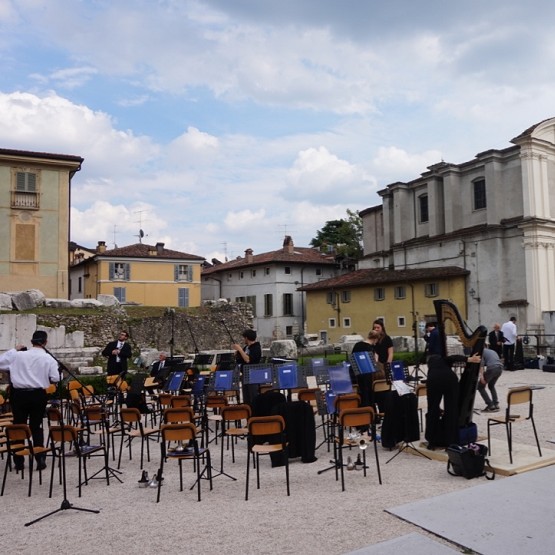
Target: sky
x=220, y=125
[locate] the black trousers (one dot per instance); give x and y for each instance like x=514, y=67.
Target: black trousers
x=509, y=356
x=28, y=408
x=442, y=428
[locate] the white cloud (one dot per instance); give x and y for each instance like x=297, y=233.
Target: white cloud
x=319, y=174
x=193, y=148
x=244, y=219
x=391, y=160
x=69, y=78
x=51, y=123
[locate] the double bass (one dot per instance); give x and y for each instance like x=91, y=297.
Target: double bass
x=474, y=342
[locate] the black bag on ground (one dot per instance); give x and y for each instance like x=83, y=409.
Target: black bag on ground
x=468, y=461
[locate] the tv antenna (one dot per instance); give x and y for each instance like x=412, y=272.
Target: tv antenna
x=141, y=233
x=115, y=232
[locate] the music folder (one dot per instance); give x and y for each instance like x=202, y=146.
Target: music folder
x=363, y=362
x=174, y=381
x=340, y=380
x=330, y=401
x=223, y=380
x=259, y=376
x=398, y=372
x=286, y=376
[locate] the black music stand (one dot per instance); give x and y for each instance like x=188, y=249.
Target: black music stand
x=289, y=376
x=174, y=381
x=414, y=377
x=199, y=392
x=224, y=380
x=318, y=368
x=258, y=374
x=397, y=372
x=65, y=505
x=340, y=384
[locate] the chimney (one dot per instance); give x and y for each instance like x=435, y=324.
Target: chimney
x=249, y=256
x=288, y=244
x=159, y=249
x=101, y=247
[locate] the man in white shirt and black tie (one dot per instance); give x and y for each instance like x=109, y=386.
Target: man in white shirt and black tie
x=118, y=353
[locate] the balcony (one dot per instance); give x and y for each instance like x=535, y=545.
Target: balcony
x=25, y=201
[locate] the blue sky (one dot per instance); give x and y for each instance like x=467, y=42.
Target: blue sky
x=221, y=125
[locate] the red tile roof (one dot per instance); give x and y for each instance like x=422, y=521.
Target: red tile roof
x=380, y=276
x=300, y=255
x=140, y=250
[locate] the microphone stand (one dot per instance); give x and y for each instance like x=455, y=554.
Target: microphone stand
x=65, y=503
x=228, y=332
x=192, y=336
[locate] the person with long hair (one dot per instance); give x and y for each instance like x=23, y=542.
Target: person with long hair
x=383, y=346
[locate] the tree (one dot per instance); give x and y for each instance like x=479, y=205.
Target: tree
x=343, y=236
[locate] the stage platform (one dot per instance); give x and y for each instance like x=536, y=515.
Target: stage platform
x=509, y=515
x=525, y=457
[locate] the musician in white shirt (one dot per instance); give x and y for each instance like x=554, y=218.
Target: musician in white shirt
x=509, y=337
x=31, y=372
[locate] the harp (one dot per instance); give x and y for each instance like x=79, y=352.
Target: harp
x=474, y=342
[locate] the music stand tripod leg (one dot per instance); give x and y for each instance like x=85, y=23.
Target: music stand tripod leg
x=65, y=505
x=407, y=445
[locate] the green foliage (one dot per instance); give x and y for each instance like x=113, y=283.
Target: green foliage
x=344, y=235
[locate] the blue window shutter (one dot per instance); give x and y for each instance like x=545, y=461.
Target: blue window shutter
x=111, y=270
x=190, y=272
x=127, y=268
x=176, y=272
x=183, y=300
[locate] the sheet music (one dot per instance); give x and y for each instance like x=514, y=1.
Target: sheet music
x=401, y=387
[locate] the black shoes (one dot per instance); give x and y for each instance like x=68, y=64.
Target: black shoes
x=41, y=463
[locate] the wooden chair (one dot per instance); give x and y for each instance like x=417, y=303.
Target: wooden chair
x=176, y=415
x=234, y=426
x=350, y=419
x=184, y=433
x=132, y=427
x=5, y=411
x=178, y=401
x=517, y=396
x=71, y=449
x=19, y=442
x=271, y=431
x=96, y=423
x=213, y=406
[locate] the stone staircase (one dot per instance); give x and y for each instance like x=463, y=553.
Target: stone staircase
x=74, y=358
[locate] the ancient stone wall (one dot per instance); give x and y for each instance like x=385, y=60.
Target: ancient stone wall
x=202, y=328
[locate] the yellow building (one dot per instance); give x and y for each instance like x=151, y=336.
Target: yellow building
x=348, y=304
x=34, y=220
x=139, y=274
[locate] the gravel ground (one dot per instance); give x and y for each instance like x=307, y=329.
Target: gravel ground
x=318, y=518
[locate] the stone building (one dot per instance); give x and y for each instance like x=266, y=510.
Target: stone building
x=270, y=282
x=493, y=216
x=34, y=220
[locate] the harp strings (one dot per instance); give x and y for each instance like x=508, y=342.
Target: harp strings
x=450, y=313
